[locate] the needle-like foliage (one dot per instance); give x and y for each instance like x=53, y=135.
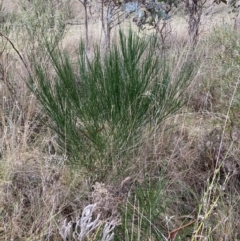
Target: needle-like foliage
x=99, y=107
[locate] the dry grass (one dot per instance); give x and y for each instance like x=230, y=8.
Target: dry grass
x=196, y=153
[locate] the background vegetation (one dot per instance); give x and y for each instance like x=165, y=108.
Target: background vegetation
x=113, y=129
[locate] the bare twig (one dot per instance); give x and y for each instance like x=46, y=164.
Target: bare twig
x=19, y=54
